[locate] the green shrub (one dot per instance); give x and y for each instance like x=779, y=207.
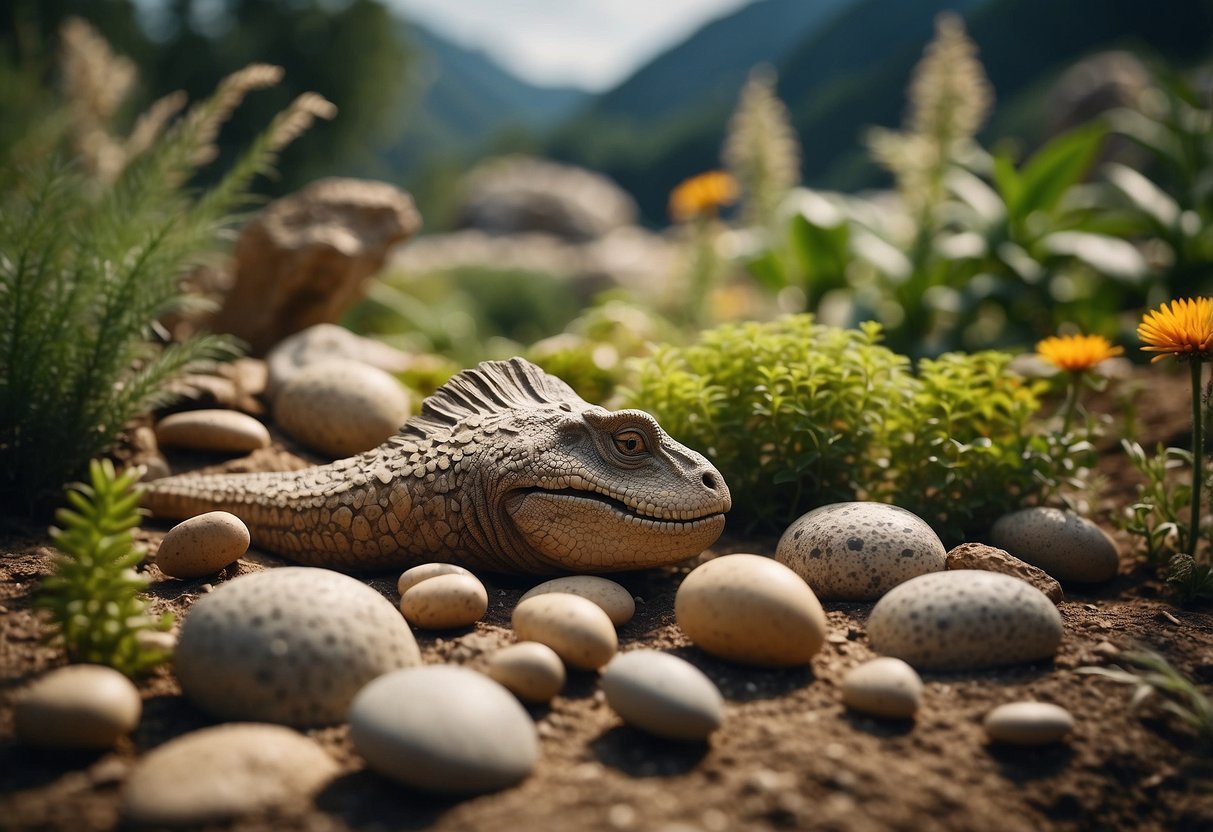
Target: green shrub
x=94, y=596
x=89, y=262
x=798, y=415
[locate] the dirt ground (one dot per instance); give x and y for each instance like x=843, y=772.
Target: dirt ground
x=789, y=756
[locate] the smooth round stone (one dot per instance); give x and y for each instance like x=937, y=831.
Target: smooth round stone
x=341, y=407
x=290, y=645
x=663, y=694
x=222, y=773
x=78, y=706
x=1069, y=547
x=530, y=670
x=750, y=609
x=202, y=545
x=445, y=601
x=444, y=729
x=575, y=627
x=859, y=551
x=227, y=431
x=324, y=342
x=614, y=599
x=1028, y=723
x=886, y=687
x=965, y=619
x=411, y=577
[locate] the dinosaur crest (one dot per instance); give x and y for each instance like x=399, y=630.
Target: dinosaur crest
x=488, y=390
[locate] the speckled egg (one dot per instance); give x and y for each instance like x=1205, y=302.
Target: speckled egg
x=752, y=610
x=224, y=772
x=1069, y=547
x=859, y=551
x=663, y=694
x=202, y=545
x=411, y=577
x=290, y=645
x=575, y=627
x=341, y=407
x=445, y=601
x=965, y=619
x=530, y=670
x=78, y=706
x=1028, y=723
x=615, y=601
x=225, y=431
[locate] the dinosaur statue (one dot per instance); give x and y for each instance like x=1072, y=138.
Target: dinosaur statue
x=505, y=469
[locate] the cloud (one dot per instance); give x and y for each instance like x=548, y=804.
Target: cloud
x=586, y=43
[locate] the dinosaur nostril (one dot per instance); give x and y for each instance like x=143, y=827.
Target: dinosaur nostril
x=709, y=481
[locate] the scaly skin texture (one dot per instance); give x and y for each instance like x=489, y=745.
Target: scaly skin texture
x=505, y=469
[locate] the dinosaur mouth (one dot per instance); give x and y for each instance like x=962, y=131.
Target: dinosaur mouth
x=649, y=516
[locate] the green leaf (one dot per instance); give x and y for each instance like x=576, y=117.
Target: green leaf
x=1057, y=167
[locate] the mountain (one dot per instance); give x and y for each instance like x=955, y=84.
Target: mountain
x=844, y=66
x=461, y=100
x=682, y=95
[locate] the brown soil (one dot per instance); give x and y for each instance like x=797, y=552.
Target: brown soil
x=788, y=757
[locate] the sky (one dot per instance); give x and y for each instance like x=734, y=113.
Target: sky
x=592, y=44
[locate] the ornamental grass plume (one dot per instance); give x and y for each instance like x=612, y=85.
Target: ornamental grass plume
x=950, y=98
x=1077, y=355
x=761, y=149
x=1184, y=329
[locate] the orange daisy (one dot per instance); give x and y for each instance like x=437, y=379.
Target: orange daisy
x=702, y=195
x=1076, y=353
x=1184, y=330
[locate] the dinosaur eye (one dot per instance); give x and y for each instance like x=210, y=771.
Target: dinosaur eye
x=631, y=443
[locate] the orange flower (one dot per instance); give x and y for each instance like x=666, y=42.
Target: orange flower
x=1076, y=353
x=1184, y=330
x=702, y=195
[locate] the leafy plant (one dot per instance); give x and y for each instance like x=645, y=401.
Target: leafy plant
x=90, y=258
x=94, y=595
x=1157, y=515
x=1151, y=675
x=1191, y=581
x=797, y=415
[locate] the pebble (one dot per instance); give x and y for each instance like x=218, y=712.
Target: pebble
x=575, y=627
x=290, y=645
x=226, y=431
x=530, y=670
x=1028, y=723
x=444, y=729
x=663, y=694
x=992, y=559
x=411, y=577
x=202, y=545
x=341, y=407
x=78, y=706
x=858, y=551
x=224, y=772
x=1069, y=547
x=965, y=619
x=615, y=601
x=444, y=602
x=324, y=342
x=751, y=609
x=885, y=687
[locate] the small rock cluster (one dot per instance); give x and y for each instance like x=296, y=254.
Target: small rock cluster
x=307, y=647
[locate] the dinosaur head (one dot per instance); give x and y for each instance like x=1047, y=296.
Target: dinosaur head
x=560, y=485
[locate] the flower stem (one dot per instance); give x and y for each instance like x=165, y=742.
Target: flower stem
x=1198, y=456
x=1071, y=402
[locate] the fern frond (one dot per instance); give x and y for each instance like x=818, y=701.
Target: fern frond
x=94, y=596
